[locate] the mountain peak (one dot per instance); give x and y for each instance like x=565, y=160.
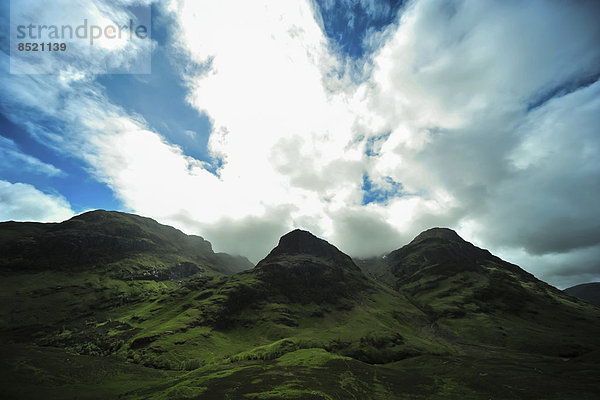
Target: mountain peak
x=95, y=213
x=304, y=268
x=301, y=242
x=104, y=216
x=439, y=233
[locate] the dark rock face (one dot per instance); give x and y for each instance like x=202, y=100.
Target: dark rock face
x=180, y=271
x=175, y=273
x=299, y=242
x=305, y=281
x=439, y=233
x=305, y=268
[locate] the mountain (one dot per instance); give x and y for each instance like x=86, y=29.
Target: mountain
x=307, y=269
x=134, y=247
x=478, y=298
x=111, y=305
x=311, y=295
x=589, y=292
x=67, y=274
x=301, y=243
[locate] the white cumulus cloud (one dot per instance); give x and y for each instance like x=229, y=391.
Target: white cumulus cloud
x=23, y=202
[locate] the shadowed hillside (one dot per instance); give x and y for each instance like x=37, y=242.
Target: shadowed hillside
x=102, y=239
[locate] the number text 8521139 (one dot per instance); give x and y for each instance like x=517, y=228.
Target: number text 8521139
x=49, y=46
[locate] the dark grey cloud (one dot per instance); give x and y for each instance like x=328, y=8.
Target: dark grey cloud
x=253, y=236
x=561, y=269
x=305, y=169
x=548, y=202
x=365, y=233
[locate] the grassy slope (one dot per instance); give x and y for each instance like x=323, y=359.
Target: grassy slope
x=197, y=324
x=34, y=373
x=274, y=350
x=31, y=372
x=165, y=324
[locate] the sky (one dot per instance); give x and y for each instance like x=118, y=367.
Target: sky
x=363, y=121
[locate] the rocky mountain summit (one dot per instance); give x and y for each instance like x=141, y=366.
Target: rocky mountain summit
x=300, y=242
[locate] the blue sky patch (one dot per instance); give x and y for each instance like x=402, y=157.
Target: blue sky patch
x=74, y=183
x=374, y=144
x=160, y=97
x=380, y=195
x=347, y=22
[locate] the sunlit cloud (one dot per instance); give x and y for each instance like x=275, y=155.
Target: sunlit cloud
x=23, y=202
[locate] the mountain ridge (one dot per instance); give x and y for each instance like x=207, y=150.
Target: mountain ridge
x=101, y=238
x=301, y=242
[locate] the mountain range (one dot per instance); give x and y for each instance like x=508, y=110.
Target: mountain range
x=114, y=305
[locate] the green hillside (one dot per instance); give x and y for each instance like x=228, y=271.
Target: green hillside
x=111, y=305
